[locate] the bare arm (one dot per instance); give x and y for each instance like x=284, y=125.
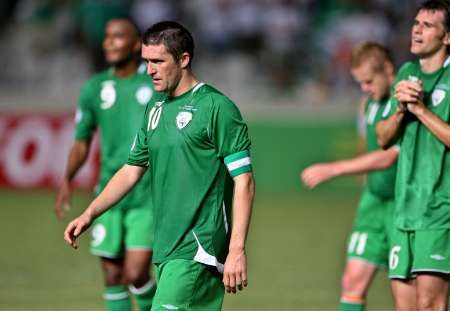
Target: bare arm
x=406, y=92
x=235, y=270
x=119, y=185
x=77, y=157
x=435, y=125
x=372, y=161
x=388, y=130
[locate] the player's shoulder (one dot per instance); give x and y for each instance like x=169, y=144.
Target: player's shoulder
x=96, y=80
x=364, y=102
x=408, y=68
x=209, y=95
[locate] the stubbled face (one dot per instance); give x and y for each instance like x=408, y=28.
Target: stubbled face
x=120, y=43
x=165, y=71
x=428, y=34
x=375, y=84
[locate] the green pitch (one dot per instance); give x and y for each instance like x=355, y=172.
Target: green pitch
x=296, y=254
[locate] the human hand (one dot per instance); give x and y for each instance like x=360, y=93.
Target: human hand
x=235, y=271
x=76, y=227
x=63, y=200
x=316, y=174
x=408, y=91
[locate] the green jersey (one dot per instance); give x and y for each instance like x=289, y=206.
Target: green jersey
x=423, y=179
x=116, y=107
x=382, y=182
x=194, y=144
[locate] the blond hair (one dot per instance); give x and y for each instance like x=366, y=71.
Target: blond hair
x=372, y=52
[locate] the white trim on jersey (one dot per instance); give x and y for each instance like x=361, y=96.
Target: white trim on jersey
x=116, y=296
x=203, y=257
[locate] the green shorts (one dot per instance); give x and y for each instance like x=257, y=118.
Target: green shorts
x=370, y=237
x=419, y=251
x=123, y=228
x=187, y=285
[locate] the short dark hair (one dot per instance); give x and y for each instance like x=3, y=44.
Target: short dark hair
x=176, y=38
x=438, y=5
x=129, y=20
x=373, y=52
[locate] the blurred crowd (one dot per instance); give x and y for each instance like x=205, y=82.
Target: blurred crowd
x=265, y=50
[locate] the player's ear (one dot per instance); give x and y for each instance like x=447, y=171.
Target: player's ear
x=137, y=47
x=185, y=59
x=388, y=67
x=447, y=38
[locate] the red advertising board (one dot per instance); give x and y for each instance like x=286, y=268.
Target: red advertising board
x=34, y=150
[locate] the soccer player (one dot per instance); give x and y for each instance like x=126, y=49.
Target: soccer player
x=114, y=101
x=368, y=246
x=418, y=118
x=196, y=147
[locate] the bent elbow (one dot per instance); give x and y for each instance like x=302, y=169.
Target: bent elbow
x=245, y=182
x=383, y=143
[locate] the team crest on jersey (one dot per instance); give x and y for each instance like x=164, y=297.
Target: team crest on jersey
x=437, y=97
x=183, y=119
x=144, y=94
x=108, y=95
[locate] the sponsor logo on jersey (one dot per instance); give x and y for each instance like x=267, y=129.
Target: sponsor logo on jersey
x=144, y=94
x=188, y=108
x=108, y=95
x=183, y=119
x=170, y=307
x=443, y=86
x=437, y=97
x=437, y=257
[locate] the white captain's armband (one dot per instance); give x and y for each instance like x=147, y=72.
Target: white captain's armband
x=238, y=163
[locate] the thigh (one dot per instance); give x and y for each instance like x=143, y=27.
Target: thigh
x=357, y=277
x=404, y=292
x=188, y=285
x=433, y=287
x=137, y=266
x=112, y=270
x=107, y=234
x=138, y=225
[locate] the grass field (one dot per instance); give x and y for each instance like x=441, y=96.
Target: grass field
x=296, y=254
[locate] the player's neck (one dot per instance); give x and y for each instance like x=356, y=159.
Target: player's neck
x=187, y=82
x=127, y=69
x=433, y=62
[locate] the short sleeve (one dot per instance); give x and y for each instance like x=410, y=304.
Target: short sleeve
x=229, y=134
x=85, y=120
x=139, y=155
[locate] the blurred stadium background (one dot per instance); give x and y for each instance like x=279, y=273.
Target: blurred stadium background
x=284, y=62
